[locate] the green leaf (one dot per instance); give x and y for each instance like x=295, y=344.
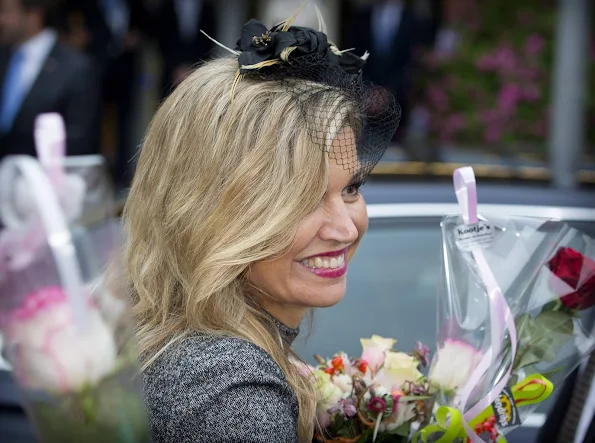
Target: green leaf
x=541, y=338
x=366, y=436
x=526, y=359
x=554, y=321
x=402, y=430
x=553, y=372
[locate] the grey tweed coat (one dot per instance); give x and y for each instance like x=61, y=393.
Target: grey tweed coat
x=220, y=390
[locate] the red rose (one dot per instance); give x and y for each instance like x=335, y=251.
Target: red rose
x=578, y=272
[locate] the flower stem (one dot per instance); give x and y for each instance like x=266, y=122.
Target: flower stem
x=88, y=406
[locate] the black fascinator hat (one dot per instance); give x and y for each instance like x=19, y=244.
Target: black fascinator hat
x=305, y=62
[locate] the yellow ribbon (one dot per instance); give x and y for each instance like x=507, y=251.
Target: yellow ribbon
x=449, y=421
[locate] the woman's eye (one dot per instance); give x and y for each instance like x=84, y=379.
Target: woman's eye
x=352, y=190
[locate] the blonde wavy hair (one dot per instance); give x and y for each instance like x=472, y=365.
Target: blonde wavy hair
x=221, y=183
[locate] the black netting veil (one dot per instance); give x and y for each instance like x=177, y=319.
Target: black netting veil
x=352, y=120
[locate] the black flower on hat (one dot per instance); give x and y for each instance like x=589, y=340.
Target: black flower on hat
x=258, y=45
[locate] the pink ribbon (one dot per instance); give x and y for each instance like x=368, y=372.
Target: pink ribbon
x=50, y=145
x=501, y=318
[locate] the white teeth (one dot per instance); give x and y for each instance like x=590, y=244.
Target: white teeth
x=326, y=263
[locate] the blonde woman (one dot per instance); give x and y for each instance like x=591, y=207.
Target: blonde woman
x=244, y=213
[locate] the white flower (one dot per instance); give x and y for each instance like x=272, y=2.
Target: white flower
x=398, y=368
x=46, y=349
x=328, y=395
x=343, y=382
x=405, y=411
x=452, y=365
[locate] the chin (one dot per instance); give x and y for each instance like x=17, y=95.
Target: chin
x=327, y=299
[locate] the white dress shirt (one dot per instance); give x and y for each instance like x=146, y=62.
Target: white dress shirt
x=188, y=14
x=386, y=19
x=117, y=16
x=36, y=51
x=588, y=411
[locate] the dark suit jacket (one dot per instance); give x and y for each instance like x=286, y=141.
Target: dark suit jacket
x=393, y=69
x=176, y=51
x=66, y=84
x=549, y=432
x=104, y=45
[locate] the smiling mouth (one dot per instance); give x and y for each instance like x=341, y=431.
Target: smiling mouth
x=328, y=264
x=324, y=262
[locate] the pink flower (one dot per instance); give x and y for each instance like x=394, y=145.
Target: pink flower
x=47, y=350
x=304, y=369
x=508, y=98
x=374, y=351
x=377, y=405
x=505, y=58
x=502, y=59
x=422, y=353
x=534, y=45
x=345, y=407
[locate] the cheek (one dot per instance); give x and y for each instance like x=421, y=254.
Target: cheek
x=262, y=275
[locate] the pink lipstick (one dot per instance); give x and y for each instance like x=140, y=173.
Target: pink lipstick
x=331, y=264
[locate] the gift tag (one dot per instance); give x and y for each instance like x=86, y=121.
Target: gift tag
x=468, y=237
x=505, y=410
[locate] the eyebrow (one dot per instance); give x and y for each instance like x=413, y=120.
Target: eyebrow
x=355, y=179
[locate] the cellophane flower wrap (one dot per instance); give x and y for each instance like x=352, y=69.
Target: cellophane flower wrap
x=375, y=397
x=514, y=318
x=64, y=318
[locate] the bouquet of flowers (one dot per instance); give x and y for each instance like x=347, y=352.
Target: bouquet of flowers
x=514, y=318
x=374, y=398
x=65, y=327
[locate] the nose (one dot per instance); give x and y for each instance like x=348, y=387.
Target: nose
x=339, y=225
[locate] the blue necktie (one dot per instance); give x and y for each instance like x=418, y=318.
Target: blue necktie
x=12, y=92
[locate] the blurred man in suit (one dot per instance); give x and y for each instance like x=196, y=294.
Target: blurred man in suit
x=38, y=75
x=114, y=31
x=177, y=28
x=391, y=32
